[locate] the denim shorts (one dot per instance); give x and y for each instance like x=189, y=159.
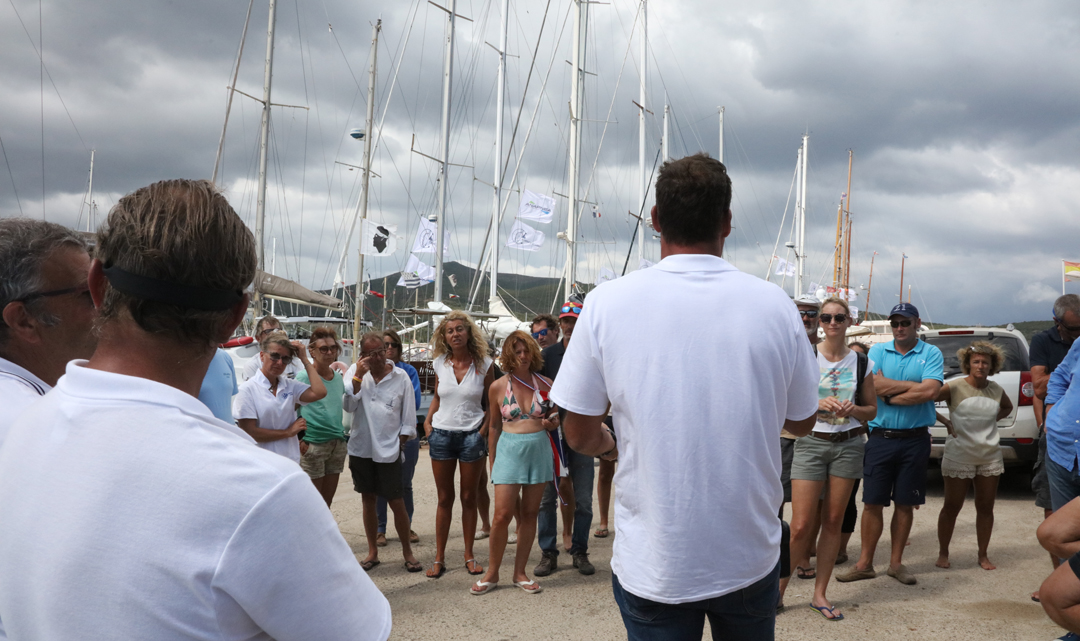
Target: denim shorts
x=448, y=445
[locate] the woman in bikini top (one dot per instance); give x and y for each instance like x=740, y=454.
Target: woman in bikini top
x=514, y=420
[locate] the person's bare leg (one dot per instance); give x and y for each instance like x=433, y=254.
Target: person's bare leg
x=603, y=490
x=985, y=495
x=832, y=517
x=955, y=493
x=1053, y=559
x=873, y=523
x=530, y=507
x=566, y=487
x=483, y=501
x=329, y=487
x=444, y=472
x=470, y=479
x=371, y=526
x=804, y=502
x=815, y=529
x=505, y=501
x=401, y=524
x=900, y=529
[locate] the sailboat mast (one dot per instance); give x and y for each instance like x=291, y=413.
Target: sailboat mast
x=869, y=283
x=902, y=259
x=499, y=108
x=90, y=201
x=800, y=255
x=577, y=75
x=365, y=179
x=448, y=73
x=264, y=142
x=665, y=152
x=232, y=91
x=838, y=250
x=847, y=206
x=642, y=91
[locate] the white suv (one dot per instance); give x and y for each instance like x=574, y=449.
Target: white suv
x=1018, y=431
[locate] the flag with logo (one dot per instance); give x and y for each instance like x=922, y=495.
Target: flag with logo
x=524, y=237
x=645, y=264
x=536, y=207
x=784, y=268
x=416, y=273
x=377, y=239
x=425, y=242
x=605, y=276
x=1070, y=271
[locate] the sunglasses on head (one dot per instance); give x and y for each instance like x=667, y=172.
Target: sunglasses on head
x=543, y=332
x=900, y=323
x=839, y=318
x=808, y=313
x=278, y=357
x=566, y=309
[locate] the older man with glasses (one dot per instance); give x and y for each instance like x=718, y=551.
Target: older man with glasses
x=392, y=341
x=908, y=373
x=46, y=315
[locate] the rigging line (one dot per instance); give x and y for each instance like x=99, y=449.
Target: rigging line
x=49, y=76
x=342, y=50
x=641, y=212
x=231, y=93
x=11, y=176
x=41, y=94
x=780, y=230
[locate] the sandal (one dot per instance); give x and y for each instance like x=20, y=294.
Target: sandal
x=481, y=535
x=442, y=570
x=413, y=566
x=805, y=573
x=479, y=569
x=601, y=533
x=836, y=616
x=482, y=587
x=531, y=590
x=368, y=565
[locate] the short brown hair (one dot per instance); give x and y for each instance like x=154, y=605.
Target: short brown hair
x=181, y=231
x=693, y=199
x=508, y=360
x=997, y=356
x=551, y=321
x=321, y=332
x=276, y=338
x=264, y=321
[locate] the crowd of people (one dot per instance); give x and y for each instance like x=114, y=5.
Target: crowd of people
x=185, y=501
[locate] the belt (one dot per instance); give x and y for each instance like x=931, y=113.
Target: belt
x=840, y=437
x=908, y=433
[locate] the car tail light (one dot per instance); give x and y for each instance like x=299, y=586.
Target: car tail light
x=1027, y=388
x=1025, y=441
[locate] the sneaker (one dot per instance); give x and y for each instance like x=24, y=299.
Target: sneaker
x=855, y=574
x=903, y=575
x=581, y=562
x=548, y=564
x=1069, y=636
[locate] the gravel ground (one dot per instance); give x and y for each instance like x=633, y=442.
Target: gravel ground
x=963, y=602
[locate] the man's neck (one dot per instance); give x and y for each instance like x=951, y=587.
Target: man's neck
x=379, y=374
x=906, y=346
x=715, y=248
x=125, y=349
x=38, y=362
x=565, y=342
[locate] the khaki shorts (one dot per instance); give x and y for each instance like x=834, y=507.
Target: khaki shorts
x=324, y=458
x=817, y=459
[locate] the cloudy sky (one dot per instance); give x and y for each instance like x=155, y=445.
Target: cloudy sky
x=964, y=119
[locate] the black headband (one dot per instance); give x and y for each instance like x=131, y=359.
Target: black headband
x=163, y=291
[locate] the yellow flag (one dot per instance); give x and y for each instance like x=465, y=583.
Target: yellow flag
x=1072, y=270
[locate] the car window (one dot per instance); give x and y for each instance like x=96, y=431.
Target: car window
x=1015, y=355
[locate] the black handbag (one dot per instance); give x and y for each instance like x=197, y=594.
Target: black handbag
x=785, y=550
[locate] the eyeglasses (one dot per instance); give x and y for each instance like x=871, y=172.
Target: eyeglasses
x=329, y=349
x=373, y=352
x=543, y=332
x=389, y=345
x=808, y=313
x=267, y=330
x=566, y=309
x=1065, y=327
x=839, y=318
x=902, y=323
x=278, y=357
x=80, y=289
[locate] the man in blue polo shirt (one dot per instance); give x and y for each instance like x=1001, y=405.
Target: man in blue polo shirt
x=907, y=376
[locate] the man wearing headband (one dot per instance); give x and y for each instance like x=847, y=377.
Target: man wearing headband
x=157, y=520
x=46, y=315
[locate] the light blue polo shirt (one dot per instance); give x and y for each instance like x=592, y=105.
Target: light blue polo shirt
x=922, y=362
x=219, y=386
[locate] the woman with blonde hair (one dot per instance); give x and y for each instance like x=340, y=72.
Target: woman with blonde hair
x=972, y=455
x=522, y=462
x=457, y=426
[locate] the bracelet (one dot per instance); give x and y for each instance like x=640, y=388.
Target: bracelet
x=357, y=379
x=614, y=439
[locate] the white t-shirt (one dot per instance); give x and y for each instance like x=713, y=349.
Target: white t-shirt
x=158, y=521
x=459, y=403
x=838, y=379
x=382, y=412
x=254, y=364
x=273, y=412
x=701, y=364
x=18, y=389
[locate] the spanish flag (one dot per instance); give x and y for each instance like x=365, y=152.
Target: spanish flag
x=1070, y=271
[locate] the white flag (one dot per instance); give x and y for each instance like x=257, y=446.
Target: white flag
x=784, y=268
x=812, y=289
x=605, y=275
x=645, y=264
x=377, y=239
x=536, y=207
x=524, y=237
x=426, y=239
x=854, y=313
x=416, y=273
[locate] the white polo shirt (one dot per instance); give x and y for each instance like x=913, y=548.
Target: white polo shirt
x=18, y=389
x=701, y=364
x=158, y=521
x=273, y=412
x=382, y=412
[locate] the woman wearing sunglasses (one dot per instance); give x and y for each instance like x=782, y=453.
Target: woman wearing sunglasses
x=265, y=406
x=324, y=450
x=830, y=458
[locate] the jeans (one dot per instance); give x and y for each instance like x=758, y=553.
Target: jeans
x=1064, y=484
x=408, y=468
x=581, y=473
x=748, y=614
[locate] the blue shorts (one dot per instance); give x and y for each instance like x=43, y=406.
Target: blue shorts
x=523, y=459
x=447, y=445
x=895, y=469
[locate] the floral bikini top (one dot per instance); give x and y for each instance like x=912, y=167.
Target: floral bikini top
x=511, y=411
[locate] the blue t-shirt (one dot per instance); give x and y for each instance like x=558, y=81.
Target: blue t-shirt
x=414, y=377
x=1063, y=419
x=219, y=386
x=924, y=361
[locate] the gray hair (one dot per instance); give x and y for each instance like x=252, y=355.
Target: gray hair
x=25, y=245
x=1066, y=303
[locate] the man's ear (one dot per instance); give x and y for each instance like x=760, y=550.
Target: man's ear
x=97, y=283
x=21, y=323
x=725, y=229
x=653, y=217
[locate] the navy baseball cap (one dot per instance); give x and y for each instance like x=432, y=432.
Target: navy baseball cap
x=905, y=309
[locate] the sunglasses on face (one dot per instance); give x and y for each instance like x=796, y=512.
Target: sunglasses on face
x=389, y=345
x=808, y=313
x=373, y=352
x=1065, y=327
x=278, y=357
x=566, y=309
x=79, y=289
x=902, y=323
x=839, y=318
x=543, y=332
x=331, y=349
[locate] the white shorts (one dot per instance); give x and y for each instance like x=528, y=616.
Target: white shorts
x=955, y=470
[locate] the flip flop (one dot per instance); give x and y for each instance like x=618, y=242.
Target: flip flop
x=481, y=535
x=413, y=566
x=482, y=587
x=805, y=573
x=601, y=533
x=368, y=565
x=1035, y=597
x=442, y=570
x=836, y=616
x=473, y=561
x=534, y=590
